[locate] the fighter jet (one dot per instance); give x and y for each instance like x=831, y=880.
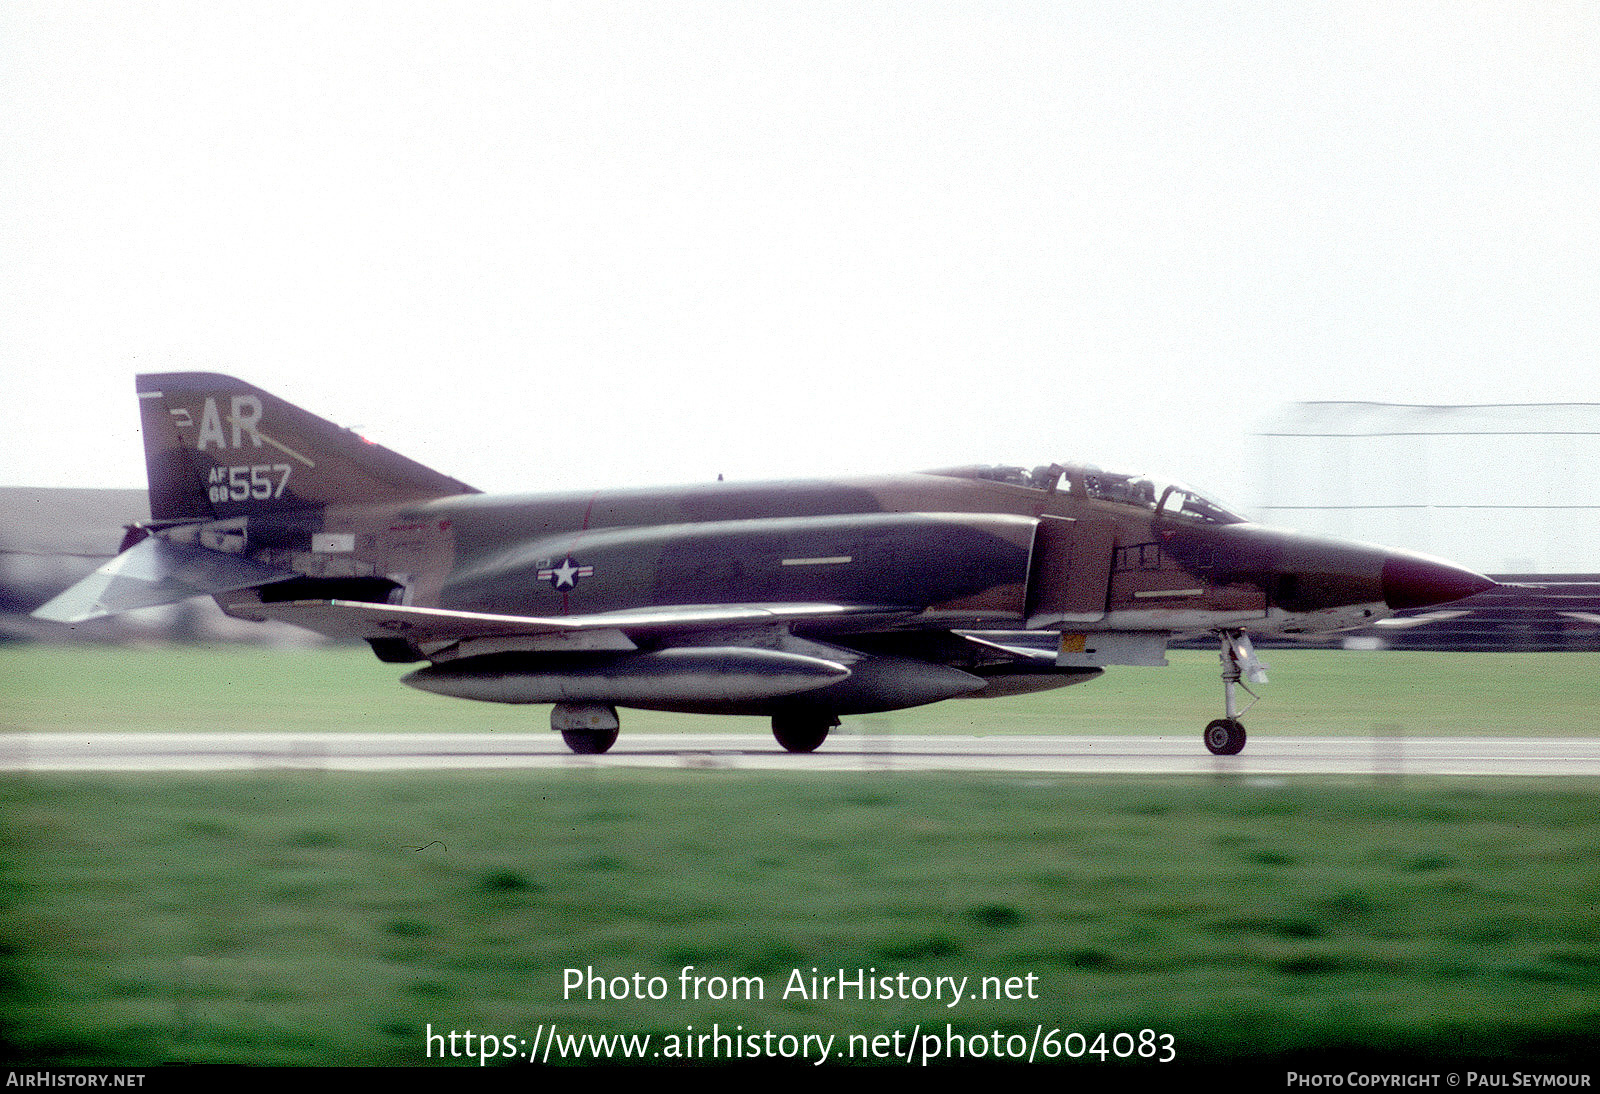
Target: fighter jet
x=799, y=601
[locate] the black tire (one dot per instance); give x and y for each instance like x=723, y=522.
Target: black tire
x=1225, y=737
x=801, y=733
x=589, y=742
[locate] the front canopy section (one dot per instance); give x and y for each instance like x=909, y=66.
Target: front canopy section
x=1155, y=495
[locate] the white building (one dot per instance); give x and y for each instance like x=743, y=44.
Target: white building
x=1505, y=489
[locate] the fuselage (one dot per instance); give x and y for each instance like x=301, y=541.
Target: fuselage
x=1072, y=549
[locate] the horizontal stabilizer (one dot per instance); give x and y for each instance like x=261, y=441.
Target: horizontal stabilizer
x=154, y=572
x=360, y=619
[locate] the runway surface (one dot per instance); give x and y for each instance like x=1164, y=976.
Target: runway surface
x=844, y=751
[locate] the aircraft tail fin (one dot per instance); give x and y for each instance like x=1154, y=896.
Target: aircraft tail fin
x=218, y=448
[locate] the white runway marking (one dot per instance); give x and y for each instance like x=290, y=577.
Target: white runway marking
x=844, y=751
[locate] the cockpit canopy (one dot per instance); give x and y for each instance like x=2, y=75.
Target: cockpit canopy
x=1161, y=497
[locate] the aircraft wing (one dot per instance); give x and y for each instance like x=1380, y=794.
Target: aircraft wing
x=1093, y=649
x=363, y=619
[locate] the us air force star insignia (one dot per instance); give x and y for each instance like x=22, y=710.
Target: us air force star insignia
x=565, y=576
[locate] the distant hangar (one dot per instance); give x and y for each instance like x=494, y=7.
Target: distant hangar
x=1511, y=490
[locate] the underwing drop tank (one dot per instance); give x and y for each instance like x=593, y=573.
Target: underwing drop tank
x=683, y=674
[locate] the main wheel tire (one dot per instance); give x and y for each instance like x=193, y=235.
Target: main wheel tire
x=589, y=742
x=798, y=733
x=1225, y=737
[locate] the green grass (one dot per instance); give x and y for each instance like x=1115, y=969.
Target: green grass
x=323, y=918
x=337, y=689
x=310, y=919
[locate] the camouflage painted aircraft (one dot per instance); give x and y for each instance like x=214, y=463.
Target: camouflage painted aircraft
x=798, y=601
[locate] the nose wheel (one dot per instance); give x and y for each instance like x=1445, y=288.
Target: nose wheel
x=1225, y=736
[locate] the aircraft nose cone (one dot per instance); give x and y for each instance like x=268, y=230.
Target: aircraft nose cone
x=1410, y=581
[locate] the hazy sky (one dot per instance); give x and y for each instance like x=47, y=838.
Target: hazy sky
x=560, y=245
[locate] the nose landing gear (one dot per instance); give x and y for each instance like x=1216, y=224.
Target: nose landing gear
x=1225, y=736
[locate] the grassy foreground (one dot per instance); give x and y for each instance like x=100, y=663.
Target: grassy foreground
x=287, y=918
x=340, y=689
x=317, y=919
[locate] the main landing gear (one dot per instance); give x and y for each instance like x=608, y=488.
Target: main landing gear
x=591, y=728
x=588, y=728
x=1225, y=736
x=802, y=731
